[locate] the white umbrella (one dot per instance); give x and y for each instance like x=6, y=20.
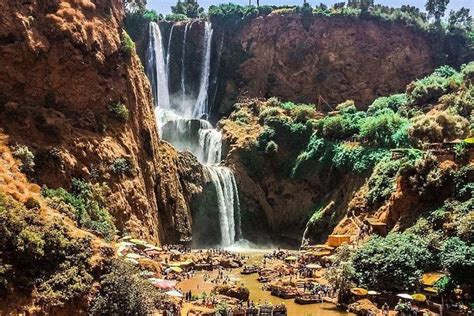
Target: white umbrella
x=313, y=266
x=405, y=296
x=174, y=293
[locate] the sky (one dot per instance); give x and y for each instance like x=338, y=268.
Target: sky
x=163, y=6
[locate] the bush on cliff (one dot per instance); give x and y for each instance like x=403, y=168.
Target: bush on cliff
x=128, y=46
x=26, y=157
x=41, y=258
x=438, y=127
x=119, y=111
x=86, y=204
x=430, y=88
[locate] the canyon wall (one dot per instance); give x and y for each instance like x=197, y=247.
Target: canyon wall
x=330, y=59
x=63, y=66
x=315, y=59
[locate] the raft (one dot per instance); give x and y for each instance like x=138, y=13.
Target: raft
x=307, y=299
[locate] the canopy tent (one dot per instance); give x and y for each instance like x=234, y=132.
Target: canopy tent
x=419, y=297
x=313, y=266
x=405, y=296
x=430, y=278
x=359, y=291
x=133, y=256
x=162, y=284
x=181, y=263
x=174, y=269
x=174, y=293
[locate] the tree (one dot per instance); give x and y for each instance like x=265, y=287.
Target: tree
x=436, y=9
x=135, y=5
x=363, y=5
x=460, y=20
x=190, y=8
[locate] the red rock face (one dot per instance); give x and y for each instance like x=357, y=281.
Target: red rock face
x=333, y=60
x=61, y=66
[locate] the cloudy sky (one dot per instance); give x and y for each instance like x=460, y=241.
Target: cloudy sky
x=163, y=6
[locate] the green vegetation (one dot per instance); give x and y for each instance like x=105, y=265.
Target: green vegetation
x=395, y=262
x=128, y=46
x=119, y=111
x=188, y=8
x=26, y=157
x=176, y=17
x=124, y=292
x=86, y=204
x=122, y=166
x=41, y=257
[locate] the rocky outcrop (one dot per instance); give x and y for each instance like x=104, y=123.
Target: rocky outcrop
x=328, y=60
x=62, y=67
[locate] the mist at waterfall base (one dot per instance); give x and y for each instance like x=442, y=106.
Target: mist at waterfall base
x=182, y=120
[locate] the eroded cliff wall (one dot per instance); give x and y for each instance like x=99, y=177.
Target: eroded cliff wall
x=63, y=64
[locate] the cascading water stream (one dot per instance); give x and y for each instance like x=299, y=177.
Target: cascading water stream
x=183, y=57
x=190, y=132
x=158, y=71
x=200, y=108
x=168, y=54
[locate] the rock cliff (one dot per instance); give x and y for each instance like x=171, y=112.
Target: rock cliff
x=63, y=66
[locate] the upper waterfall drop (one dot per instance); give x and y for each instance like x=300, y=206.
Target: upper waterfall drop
x=157, y=68
x=201, y=107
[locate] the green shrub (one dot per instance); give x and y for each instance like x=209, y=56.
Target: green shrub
x=429, y=89
x=386, y=128
x=358, y=159
x=468, y=71
x=395, y=262
x=393, y=102
x=124, y=292
x=303, y=113
x=119, y=111
x=26, y=157
x=457, y=257
x=128, y=46
x=122, y=166
x=241, y=116
x=438, y=127
x=267, y=113
x=382, y=181
x=176, y=17
x=41, y=258
x=338, y=127
x=271, y=147
x=86, y=204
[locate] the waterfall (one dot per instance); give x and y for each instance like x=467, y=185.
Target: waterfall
x=168, y=54
x=183, y=57
x=182, y=126
x=201, y=103
x=157, y=67
x=227, y=202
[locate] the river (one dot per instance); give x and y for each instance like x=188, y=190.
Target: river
x=197, y=285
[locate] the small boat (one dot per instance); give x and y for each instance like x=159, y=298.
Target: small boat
x=263, y=279
x=283, y=293
x=249, y=270
x=307, y=299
